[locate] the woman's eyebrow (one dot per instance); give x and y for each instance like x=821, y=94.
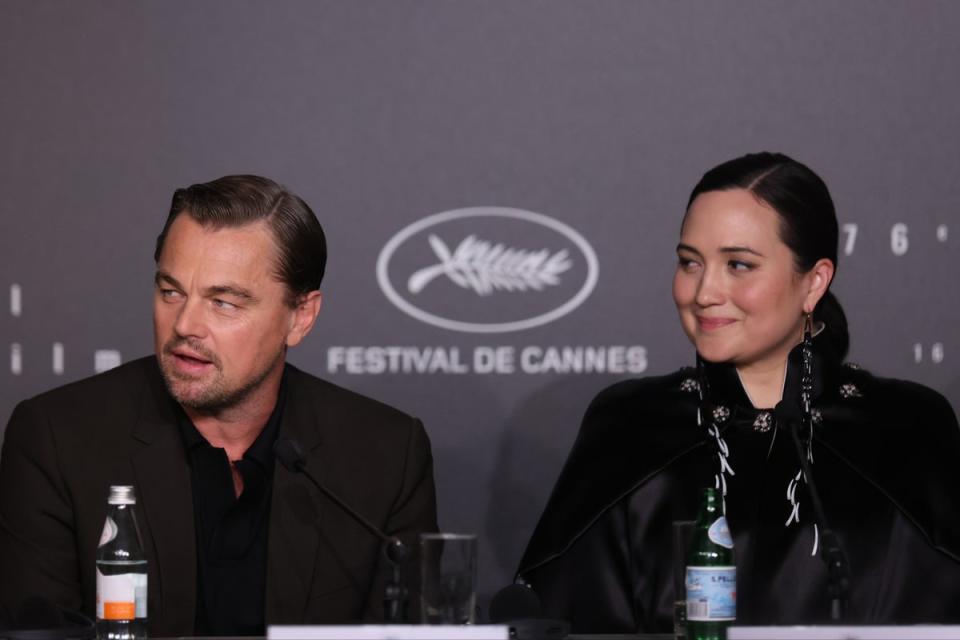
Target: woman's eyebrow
x=740, y=250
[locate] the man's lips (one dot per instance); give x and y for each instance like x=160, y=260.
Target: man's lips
x=190, y=362
x=709, y=324
x=190, y=356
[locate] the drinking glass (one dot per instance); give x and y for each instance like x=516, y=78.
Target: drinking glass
x=448, y=587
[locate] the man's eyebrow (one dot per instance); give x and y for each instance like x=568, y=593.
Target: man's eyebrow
x=230, y=289
x=163, y=276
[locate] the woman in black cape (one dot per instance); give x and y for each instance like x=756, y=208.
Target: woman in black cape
x=757, y=255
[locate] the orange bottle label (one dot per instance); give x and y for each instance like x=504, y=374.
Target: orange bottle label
x=119, y=611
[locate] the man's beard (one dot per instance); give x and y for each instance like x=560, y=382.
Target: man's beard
x=215, y=395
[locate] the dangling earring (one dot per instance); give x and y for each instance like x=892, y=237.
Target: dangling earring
x=806, y=381
x=806, y=392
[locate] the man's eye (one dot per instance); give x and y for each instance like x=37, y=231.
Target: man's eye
x=223, y=304
x=169, y=294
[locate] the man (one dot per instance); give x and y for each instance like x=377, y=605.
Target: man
x=233, y=540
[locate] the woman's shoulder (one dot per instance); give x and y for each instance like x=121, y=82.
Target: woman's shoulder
x=893, y=402
x=631, y=431
x=902, y=436
x=652, y=393
x=652, y=409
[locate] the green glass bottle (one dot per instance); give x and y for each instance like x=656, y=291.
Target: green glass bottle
x=711, y=575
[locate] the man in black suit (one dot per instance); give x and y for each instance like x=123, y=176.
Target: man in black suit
x=233, y=540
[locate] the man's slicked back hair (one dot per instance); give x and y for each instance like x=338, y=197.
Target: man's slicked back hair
x=236, y=201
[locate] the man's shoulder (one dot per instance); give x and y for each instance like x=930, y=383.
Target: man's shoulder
x=349, y=425
x=117, y=387
x=302, y=382
x=128, y=375
x=97, y=406
x=337, y=405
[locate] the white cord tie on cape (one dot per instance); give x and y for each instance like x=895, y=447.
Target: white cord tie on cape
x=795, y=511
x=720, y=414
x=792, y=498
x=792, y=490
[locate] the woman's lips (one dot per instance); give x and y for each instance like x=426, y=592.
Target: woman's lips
x=709, y=324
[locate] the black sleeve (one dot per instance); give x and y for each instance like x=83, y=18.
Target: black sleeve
x=38, y=555
x=413, y=512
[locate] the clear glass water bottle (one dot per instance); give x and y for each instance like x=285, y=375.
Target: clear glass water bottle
x=711, y=575
x=121, y=571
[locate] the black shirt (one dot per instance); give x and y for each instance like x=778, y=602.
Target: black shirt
x=231, y=531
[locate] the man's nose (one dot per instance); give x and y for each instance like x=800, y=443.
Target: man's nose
x=191, y=319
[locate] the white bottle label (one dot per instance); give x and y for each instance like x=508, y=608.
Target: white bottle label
x=719, y=533
x=109, y=531
x=122, y=596
x=711, y=594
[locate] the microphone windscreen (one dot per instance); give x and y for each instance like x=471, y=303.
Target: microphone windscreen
x=514, y=602
x=289, y=454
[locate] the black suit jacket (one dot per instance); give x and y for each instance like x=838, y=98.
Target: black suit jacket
x=64, y=448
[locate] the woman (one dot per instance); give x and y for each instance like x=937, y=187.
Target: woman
x=757, y=255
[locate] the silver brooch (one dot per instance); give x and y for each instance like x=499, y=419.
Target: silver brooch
x=816, y=416
x=720, y=414
x=690, y=385
x=763, y=422
x=850, y=390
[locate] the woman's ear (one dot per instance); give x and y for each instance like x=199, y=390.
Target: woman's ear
x=817, y=281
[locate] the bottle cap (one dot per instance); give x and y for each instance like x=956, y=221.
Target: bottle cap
x=122, y=494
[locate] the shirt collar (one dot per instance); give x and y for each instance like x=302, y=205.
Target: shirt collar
x=261, y=451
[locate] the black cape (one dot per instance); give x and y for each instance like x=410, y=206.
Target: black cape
x=886, y=455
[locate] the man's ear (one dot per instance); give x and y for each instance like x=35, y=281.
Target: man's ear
x=304, y=315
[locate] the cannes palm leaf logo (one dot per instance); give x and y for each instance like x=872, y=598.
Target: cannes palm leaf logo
x=485, y=267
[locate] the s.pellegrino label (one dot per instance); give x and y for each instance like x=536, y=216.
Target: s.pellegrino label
x=711, y=593
x=711, y=573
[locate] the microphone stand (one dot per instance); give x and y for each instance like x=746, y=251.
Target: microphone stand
x=838, y=570
x=395, y=595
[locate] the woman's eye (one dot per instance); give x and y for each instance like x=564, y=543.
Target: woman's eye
x=740, y=265
x=686, y=263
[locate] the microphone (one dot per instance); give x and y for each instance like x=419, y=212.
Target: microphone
x=290, y=455
x=514, y=602
x=518, y=606
x=831, y=552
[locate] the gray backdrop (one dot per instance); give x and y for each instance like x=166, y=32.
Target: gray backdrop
x=599, y=116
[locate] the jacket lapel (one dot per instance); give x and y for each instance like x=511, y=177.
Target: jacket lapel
x=295, y=512
x=166, y=501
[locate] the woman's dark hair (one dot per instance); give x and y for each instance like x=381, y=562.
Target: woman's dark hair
x=808, y=220
x=235, y=201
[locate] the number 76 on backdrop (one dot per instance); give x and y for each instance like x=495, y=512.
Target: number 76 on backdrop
x=899, y=237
